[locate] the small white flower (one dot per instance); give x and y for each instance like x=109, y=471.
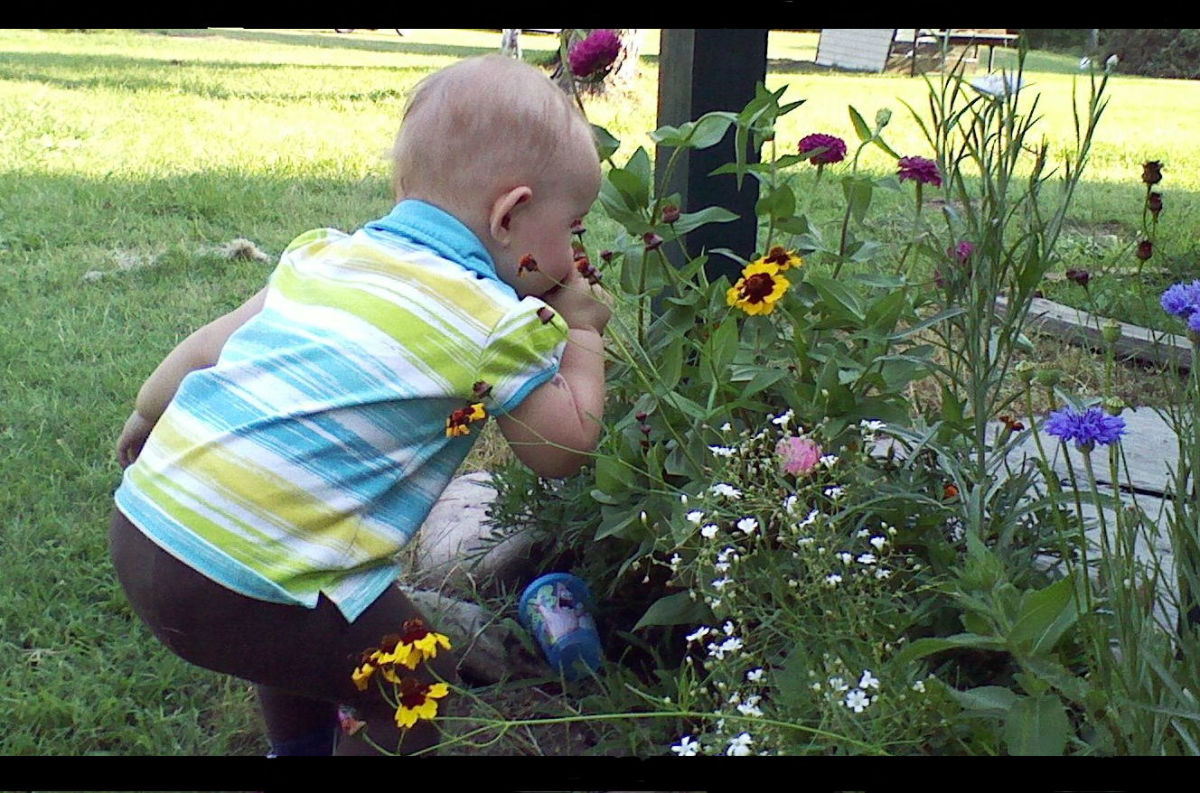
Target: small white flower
x=675, y=560
x=919, y=686
x=789, y=504
x=879, y=542
x=834, y=492
x=828, y=460
x=687, y=747
x=695, y=516
x=883, y=573
x=783, y=419
x=740, y=745
x=868, y=680
x=1084, y=63
x=750, y=708
x=721, y=567
x=810, y=520
x=683, y=499
x=720, y=583
x=731, y=644
x=714, y=603
x=747, y=525
x=857, y=700
x=726, y=427
x=844, y=557
x=872, y=426
x=793, y=583
x=709, y=531
x=1111, y=62
x=838, y=684
x=722, y=451
x=816, y=686
x=754, y=675
x=862, y=533
x=833, y=579
x=729, y=628
x=700, y=633
x=805, y=541
x=866, y=558
x=728, y=491
x=726, y=554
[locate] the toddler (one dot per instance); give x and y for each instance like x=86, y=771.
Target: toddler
x=280, y=457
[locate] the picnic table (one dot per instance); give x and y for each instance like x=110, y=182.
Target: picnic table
x=956, y=37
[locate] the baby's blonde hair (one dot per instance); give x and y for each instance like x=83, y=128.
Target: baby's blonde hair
x=479, y=127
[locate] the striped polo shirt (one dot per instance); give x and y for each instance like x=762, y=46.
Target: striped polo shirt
x=308, y=456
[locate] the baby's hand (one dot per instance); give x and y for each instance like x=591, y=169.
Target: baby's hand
x=133, y=437
x=581, y=304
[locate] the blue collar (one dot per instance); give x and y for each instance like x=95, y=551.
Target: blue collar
x=430, y=227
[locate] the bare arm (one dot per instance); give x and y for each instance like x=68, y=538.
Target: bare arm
x=198, y=351
x=555, y=428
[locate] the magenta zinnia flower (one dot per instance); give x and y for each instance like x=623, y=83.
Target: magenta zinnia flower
x=798, y=456
x=594, y=53
x=920, y=170
x=835, y=148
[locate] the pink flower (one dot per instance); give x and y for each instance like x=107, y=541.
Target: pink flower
x=920, y=170
x=798, y=456
x=835, y=148
x=962, y=251
x=594, y=53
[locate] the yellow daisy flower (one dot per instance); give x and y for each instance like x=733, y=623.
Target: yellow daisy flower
x=784, y=258
x=361, y=675
x=418, y=701
x=417, y=643
x=759, y=289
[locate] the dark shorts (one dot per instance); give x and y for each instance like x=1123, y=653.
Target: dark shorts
x=308, y=652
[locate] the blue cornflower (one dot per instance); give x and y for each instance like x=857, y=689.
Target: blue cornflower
x=1088, y=428
x=1181, y=300
x=1194, y=322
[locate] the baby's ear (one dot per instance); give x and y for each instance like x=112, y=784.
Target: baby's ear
x=500, y=217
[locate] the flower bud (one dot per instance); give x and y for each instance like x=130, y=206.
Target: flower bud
x=651, y=240
x=882, y=117
x=606, y=255
x=1080, y=277
x=577, y=226
x=640, y=415
x=1152, y=172
x=1114, y=405
x=670, y=213
x=1154, y=203
x=1145, y=250
x=1111, y=331
x=1025, y=370
x=1048, y=377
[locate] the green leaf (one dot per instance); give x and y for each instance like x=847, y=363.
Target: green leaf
x=1044, y=616
x=634, y=189
x=616, y=522
x=710, y=129
x=606, y=144
x=1037, y=726
x=985, y=698
x=723, y=348
x=860, y=126
x=611, y=475
x=676, y=609
x=671, y=363
x=688, y=221
x=842, y=302
x=923, y=647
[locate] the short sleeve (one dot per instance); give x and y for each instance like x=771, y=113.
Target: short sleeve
x=523, y=351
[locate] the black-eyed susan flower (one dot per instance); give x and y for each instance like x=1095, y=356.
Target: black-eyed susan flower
x=416, y=642
x=785, y=259
x=759, y=288
x=418, y=701
x=459, y=422
x=362, y=674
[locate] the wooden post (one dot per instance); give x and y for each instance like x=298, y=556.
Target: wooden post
x=701, y=70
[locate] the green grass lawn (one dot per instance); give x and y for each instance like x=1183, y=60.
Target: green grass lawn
x=134, y=154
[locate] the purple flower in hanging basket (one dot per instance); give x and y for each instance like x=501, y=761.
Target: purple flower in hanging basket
x=835, y=148
x=1088, y=428
x=920, y=170
x=594, y=53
